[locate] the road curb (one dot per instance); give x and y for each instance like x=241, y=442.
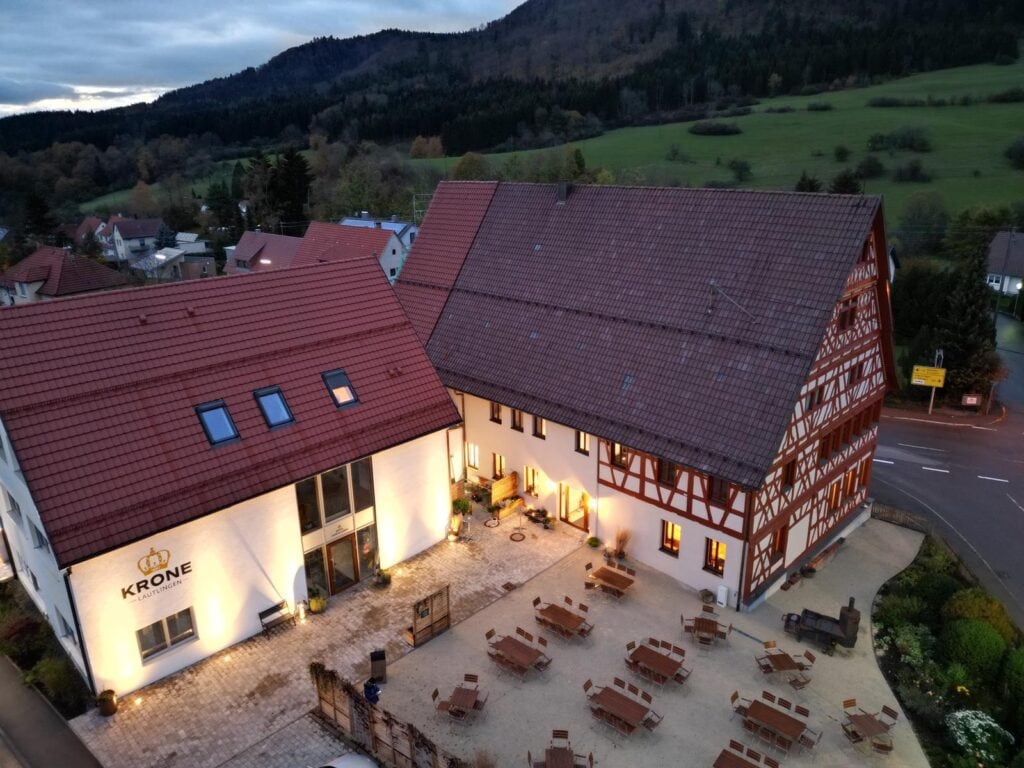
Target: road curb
x=984, y=422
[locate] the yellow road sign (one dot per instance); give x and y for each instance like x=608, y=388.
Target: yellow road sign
x=926, y=376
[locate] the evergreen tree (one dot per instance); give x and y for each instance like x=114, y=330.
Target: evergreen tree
x=807, y=183
x=166, y=237
x=218, y=200
x=237, y=179
x=289, y=182
x=845, y=183
x=39, y=223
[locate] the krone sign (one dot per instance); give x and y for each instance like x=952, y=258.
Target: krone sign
x=158, y=575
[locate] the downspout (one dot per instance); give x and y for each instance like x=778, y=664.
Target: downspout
x=743, y=553
x=78, y=629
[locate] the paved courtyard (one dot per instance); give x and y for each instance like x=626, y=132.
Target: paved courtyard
x=222, y=711
x=249, y=705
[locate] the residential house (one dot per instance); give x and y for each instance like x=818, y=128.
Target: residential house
x=171, y=264
x=135, y=238
x=702, y=368
x=404, y=230
x=333, y=242
x=49, y=273
x=106, y=237
x=210, y=450
x=90, y=224
x=260, y=251
x=1006, y=263
x=190, y=243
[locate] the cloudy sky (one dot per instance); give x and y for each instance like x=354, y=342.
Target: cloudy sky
x=93, y=54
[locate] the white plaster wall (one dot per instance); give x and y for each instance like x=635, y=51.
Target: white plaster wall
x=413, y=497
x=644, y=522
x=244, y=559
x=555, y=456
x=389, y=260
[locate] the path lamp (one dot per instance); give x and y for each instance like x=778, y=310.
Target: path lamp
x=1020, y=284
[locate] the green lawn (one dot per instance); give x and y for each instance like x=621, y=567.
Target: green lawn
x=967, y=160
x=120, y=200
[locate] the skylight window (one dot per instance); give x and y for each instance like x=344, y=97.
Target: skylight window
x=275, y=410
x=340, y=388
x=217, y=423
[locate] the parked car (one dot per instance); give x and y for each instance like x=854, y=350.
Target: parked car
x=351, y=760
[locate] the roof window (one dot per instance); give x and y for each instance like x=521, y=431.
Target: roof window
x=340, y=388
x=275, y=410
x=217, y=423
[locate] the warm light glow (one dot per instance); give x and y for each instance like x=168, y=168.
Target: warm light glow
x=264, y=261
x=1020, y=285
x=302, y=612
x=138, y=701
x=227, y=657
x=161, y=256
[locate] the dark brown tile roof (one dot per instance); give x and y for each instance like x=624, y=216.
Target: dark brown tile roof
x=100, y=407
x=136, y=228
x=63, y=273
x=681, y=322
x=1006, y=254
x=89, y=224
x=440, y=248
x=277, y=250
x=335, y=242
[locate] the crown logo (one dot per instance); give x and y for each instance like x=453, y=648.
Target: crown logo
x=154, y=561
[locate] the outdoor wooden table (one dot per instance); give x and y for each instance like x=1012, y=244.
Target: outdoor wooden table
x=561, y=619
x=775, y=720
x=703, y=627
x=559, y=757
x=868, y=726
x=611, y=577
x=783, y=662
x=728, y=759
x=463, y=699
x=655, y=661
x=621, y=706
x=519, y=653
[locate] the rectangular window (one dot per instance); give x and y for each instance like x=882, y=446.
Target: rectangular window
x=39, y=538
x=824, y=449
x=670, y=534
x=865, y=472
x=217, y=423
x=714, y=556
x=309, y=507
x=835, y=495
x=780, y=537
x=856, y=374
x=13, y=508
x=540, y=427
x=582, y=443
x=667, y=472
x=718, y=490
x=814, y=398
x=3, y=450
x=35, y=581
x=496, y=412
x=273, y=406
x=499, y=465
x=473, y=455
x=620, y=455
x=163, y=634
x=851, y=482
x=65, y=628
x=334, y=493
x=789, y=475
x=530, y=482
x=847, y=316
x=362, y=484
x=517, y=419
x=340, y=387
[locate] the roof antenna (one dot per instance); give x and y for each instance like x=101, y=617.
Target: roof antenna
x=711, y=304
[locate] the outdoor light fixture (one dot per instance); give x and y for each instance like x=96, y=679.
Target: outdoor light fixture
x=302, y=612
x=264, y=261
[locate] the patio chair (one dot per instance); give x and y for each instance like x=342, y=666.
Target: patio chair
x=754, y=755
x=852, y=734
x=653, y=720
x=881, y=745
x=536, y=602
x=766, y=737
x=489, y=634
x=809, y=739
x=799, y=681
x=471, y=678
x=587, y=686
x=441, y=705
x=704, y=643
x=679, y=651
x=615, y=592
x=768, y=696
x=542, y=641
x=736, y=746
x=585, y=629
x=770, y=762
x=560, y=734
x=632, y=689
x=630, y=572
x=764, y=665
x=769, y=645
x=618, y=682
x=889, y=716
x=682, y=675
x=646, y=697
x=589, y=585
x=531, y=764
x=739, y=705
x=849, y=704
x=785, y=703
x=567, y=600
x=588, y=567
x=708, y=609
x=481, y=700
x=457, y=715
x=750, y=726
x=687, y=625
x=801, y=710
x=631, y=645
x=811, y=658
x=782, y=744
x=723, y=634
x=583, y=608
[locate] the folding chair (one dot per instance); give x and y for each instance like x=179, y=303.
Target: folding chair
x=849, y=704
x=704, y=643
x=809, y=739
x=646, y=697
x=802, y=710
x=585, y=629
x=750, y=726
x=764, y=665
x=587, y=686
x=852, y=734
x=589, y=585
x=560, y=735
x=653, y=720
x=768, y=696
x=799, y=681
x=736, y=746
x=618, y=682
x=770, y=762
x=679, y=651
x=631, y=645
x=471, y=678
x=782, y=744
x=583, y=607
x=441, y=705
x=881, y=746
x=682, y=675
x=785, y=703
x=754, y=755
x=480, y=701
x=567, y=600
x=766, y=737
x=739, y=705
x=687, y=625
x=654, y=642
x=889, y=716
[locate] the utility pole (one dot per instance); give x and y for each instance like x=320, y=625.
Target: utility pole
x=937, y=364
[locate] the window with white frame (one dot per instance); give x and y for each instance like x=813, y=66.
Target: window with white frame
x=39, y=538
x=166, y=633
x=13, y=509
x=473, y=455
x=65, y=628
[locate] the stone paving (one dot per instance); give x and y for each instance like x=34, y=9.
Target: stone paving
x=520, y=715
x=221, y=710
x=305, y=743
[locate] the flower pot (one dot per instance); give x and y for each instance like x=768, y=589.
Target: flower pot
x=107, y=703
x=317, y=604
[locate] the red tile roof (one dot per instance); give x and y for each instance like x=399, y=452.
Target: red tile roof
x=278, y=250
x=100, y=408
x=445, y=237
x=62, y=273
x=89, y=224
x=680, y=322
x=334, y=242
x=136, y=228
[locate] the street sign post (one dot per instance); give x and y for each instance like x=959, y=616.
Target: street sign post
x=933, y=376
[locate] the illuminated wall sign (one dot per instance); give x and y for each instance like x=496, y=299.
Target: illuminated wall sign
x=158, y=573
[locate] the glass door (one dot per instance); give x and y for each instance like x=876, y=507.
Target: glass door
x=341, y=558
x=573, y=506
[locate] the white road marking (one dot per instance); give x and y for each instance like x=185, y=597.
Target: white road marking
x=993, y=479
x=987, y=429
x=923, y=447
x=935, y=469
x=1018, y=506
x=883, y=461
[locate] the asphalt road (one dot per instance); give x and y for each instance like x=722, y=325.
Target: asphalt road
x=969, y=479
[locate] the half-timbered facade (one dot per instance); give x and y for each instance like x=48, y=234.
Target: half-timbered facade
x=722, y=355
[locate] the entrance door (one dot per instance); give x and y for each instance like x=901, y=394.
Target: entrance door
x=573, y=507
x=341, y=559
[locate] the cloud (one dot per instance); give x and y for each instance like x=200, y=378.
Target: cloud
x=149, y=45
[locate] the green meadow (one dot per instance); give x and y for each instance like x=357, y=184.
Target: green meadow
x=966, y=163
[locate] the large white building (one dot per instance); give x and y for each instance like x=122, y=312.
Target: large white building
x=177, y=458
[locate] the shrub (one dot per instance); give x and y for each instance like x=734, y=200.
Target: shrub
x=979, y=736
x=24, y=638
x=913, y=645
x=877, y=142
x=779, y=110
x=740, y=169
x=870, y=168
x=819, y=106
x=914, y=139
x=912, y=171
x=1008, y=97
x=841, y=153
x=845, y=183
x=976, y=645
x=935, y=588
x=61, y=683
x=1015, y=153
x=893, y=101
x=927, y=703
x=1013, y=676
x=714, y=128
x=975, y=603
x=676, y=155
x=896, y=610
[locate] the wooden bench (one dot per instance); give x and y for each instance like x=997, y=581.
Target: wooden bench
x=275, y=615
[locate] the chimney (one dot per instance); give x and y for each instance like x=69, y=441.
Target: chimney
x=394, y=217
x=364, y=215
x=564, y=190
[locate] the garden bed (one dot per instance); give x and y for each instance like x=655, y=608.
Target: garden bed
x=954, y=659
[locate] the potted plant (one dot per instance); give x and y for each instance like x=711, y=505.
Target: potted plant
x=382, y=578
x=461, y=507
x=593, y=542
x=622, y=537
x=317, y=600
x=106, y=701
